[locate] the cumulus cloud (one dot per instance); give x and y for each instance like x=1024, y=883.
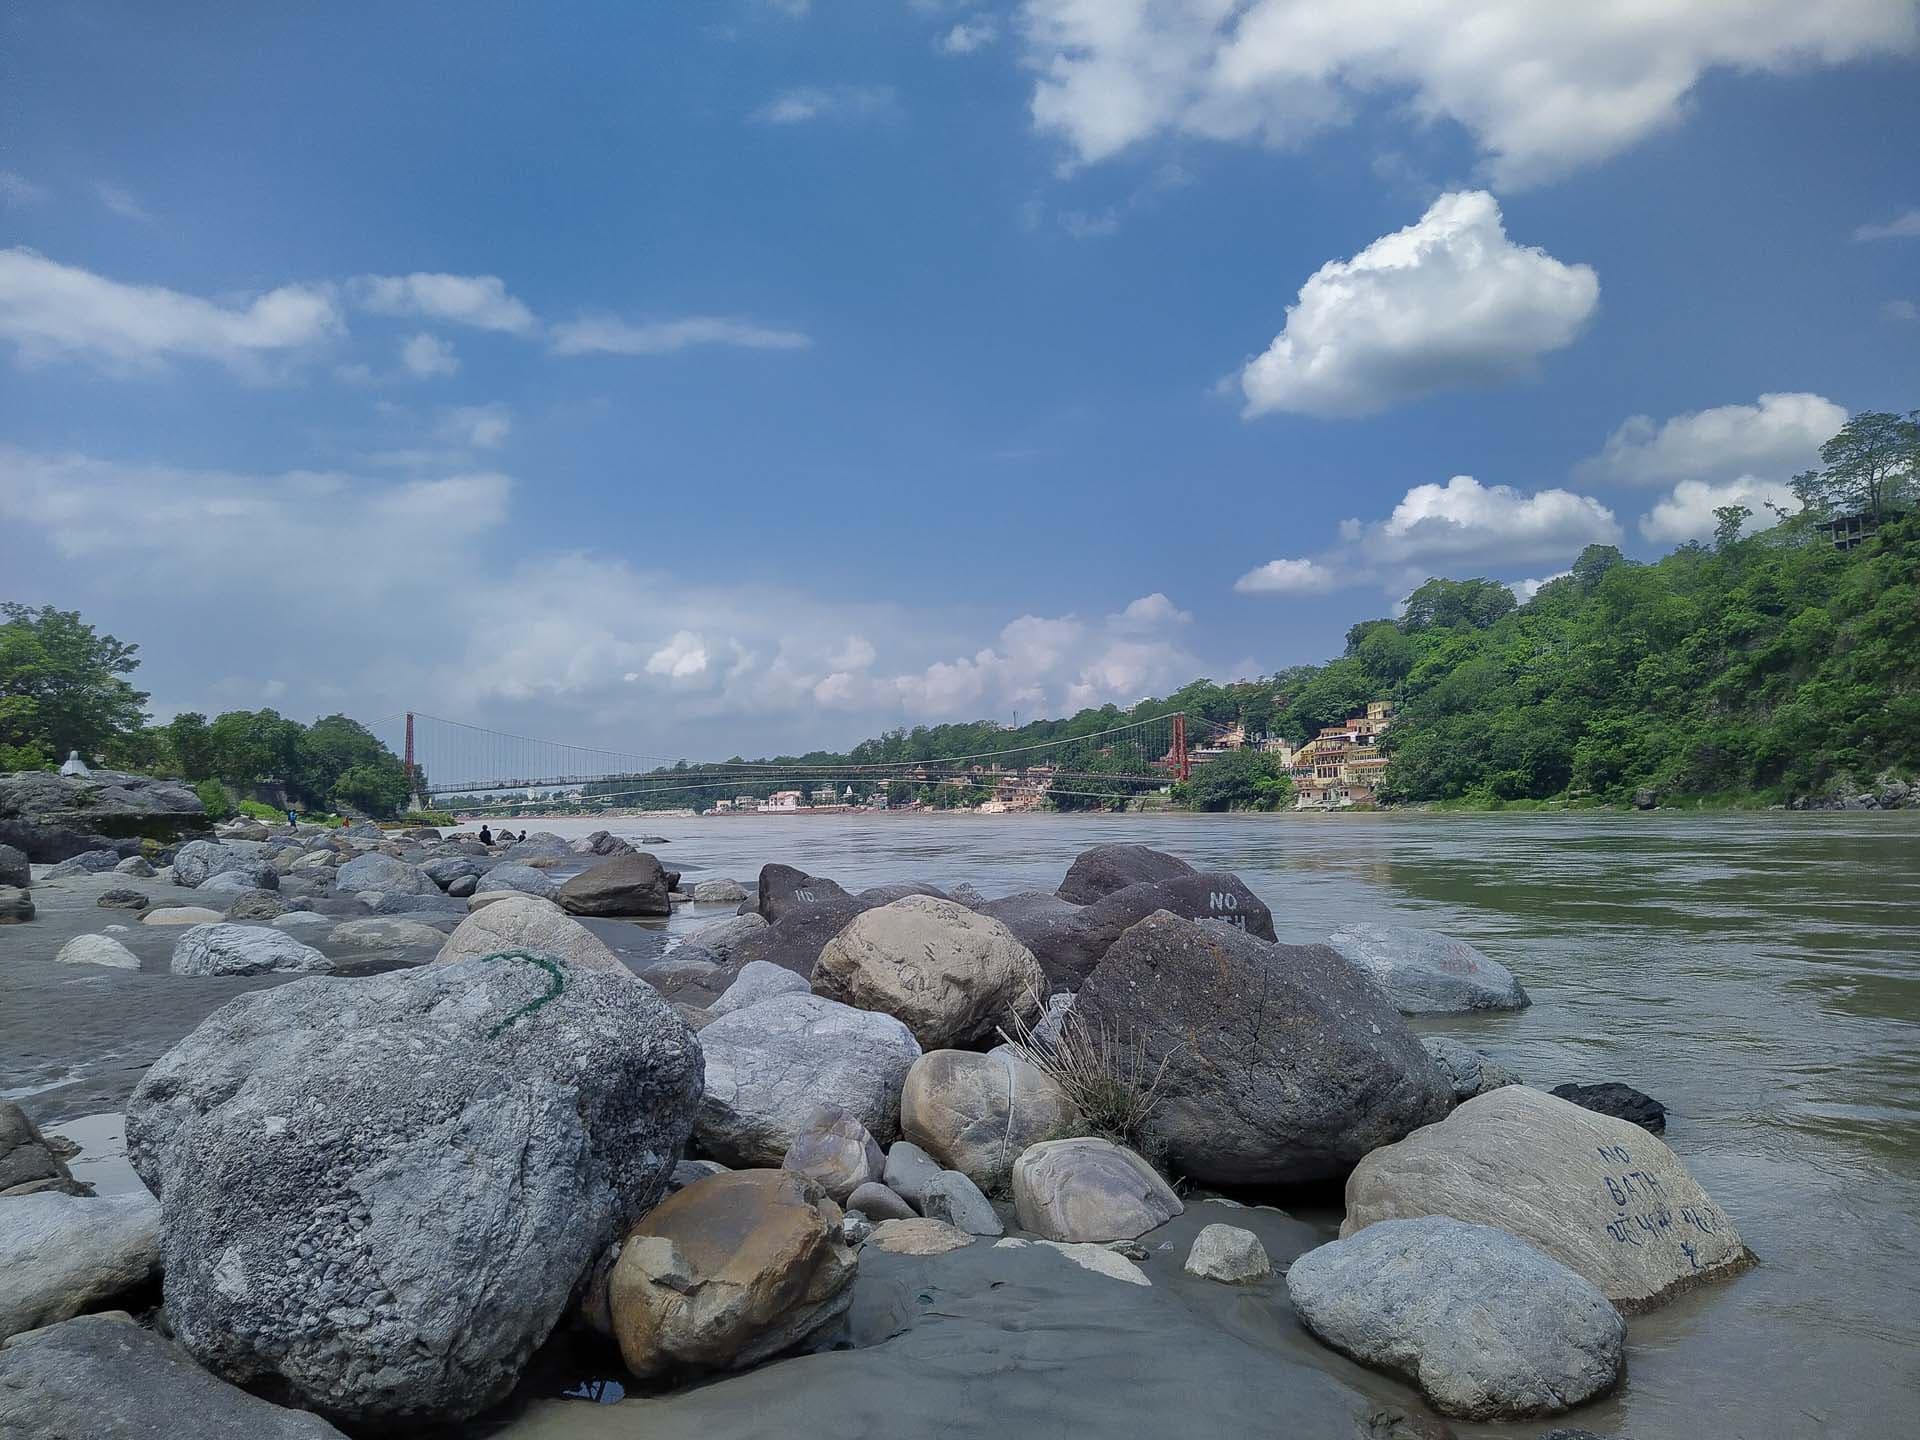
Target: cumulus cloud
x=1903, y=310
x=970, y=35
x=1152, y=612
x=1449, y=301
x=428, y=357
x=1543, y=89
x=1459, y=528
x=52, y=311
x=1525, y=590
x=479, y=301
x=681, y=658
x=807, y=103
x=607, y=334
x=1901, y=227
x=1780, y=435
x=1288, y=577
x=1687, y=513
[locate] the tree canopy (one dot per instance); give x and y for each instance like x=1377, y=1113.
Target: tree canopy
x=62, y=687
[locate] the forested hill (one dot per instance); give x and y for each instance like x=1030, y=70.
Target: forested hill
x=1765, y=668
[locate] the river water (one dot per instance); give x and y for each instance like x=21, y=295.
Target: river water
x=1759, y=974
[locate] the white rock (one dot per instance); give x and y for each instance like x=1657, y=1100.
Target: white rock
x=97, y=950
x=1228, y=1254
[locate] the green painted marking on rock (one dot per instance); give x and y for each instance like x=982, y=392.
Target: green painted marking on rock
x=556, y=987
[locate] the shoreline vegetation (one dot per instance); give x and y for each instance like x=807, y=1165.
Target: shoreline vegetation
x=1775, y=668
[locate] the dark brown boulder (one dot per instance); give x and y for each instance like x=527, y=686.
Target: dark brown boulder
x=635, y=884
x=1098, y=872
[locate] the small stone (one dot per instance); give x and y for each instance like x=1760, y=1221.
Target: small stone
x=917, y=1237
x=97, y=950
x=877, y=1203
x=952, y=1197
x=1228, y=1254
x=122, y=899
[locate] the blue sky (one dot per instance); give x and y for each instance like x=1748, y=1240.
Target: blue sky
x=747, y=376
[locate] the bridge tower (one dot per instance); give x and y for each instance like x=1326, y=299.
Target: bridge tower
x=1182, y=766
x=413, y=783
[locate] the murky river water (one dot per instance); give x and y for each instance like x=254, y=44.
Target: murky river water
x=1758, y=974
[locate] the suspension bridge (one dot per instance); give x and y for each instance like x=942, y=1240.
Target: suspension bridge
x=479, y=768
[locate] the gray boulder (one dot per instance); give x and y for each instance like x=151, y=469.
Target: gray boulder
x=758, y=979
x=28, y=1163
x=223, y=949
x=375, y=871
x=399, y=902
x=257, y=905
x=137, y=866
x=770, y=1064
x=64, y=1254
x=1085, y=1189
x=197, y=861
x=1599, y=1195
x=102, y=1377
x=522, y=922
x=87, y=862
x=783, y=889
x=52, y=817
x=97, y=950
x=976, y=1113
x=540, y=851
x=16, y=870
x=16, y=905
x=522, y=878
x=1228, y=1254
x=1487, y=1326
x=952, y=1197
x=877, y=1202
x=1277, y=1064
x=909, y=1169
x=392, y=1252
x=385, y=932
x=237, y=879
x=719, y=892
x=794, y=940
x=122, y=899
x=462, y=886
x=834, y=1150
x=1427, y=973
x=604, y=842
x=1097, y=873
x=1469, y=1072
x=443, y=870
x=631, y=884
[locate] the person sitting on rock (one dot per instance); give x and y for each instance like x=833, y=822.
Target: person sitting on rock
x=486, y=835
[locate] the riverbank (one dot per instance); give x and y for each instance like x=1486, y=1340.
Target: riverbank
x=1753, y=972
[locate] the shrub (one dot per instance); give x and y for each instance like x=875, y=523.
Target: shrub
x=1108, y=1076
x=213, y=795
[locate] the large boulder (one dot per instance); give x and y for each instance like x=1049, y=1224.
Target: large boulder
x=834, y=1150
x=522, y=922
x=1097, y=873
x=734, y=1269
x=51, y=817
x=758, y=979
x=198, y=861
x=1276, y=1064
x=541, y=850
x=1487, y=1326
x=380, y=1193
x=783, y=889
x=136, y=865
x=87, y=862
x=103, y=1377
x=443, y=870
x=521, y=878
x=1427, y=973
x=240, y=879
x=1599, y=1195
x=795, y=940
x=1087, y=1189
x=951, y=975
x=222, y=949
x=631, y=884
x=770, y=1064
x=976, y=1113
x=382, y=873
x=1069, y=940
x=64, y=1254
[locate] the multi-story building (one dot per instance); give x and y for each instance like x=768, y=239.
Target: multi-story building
x=1342, y=765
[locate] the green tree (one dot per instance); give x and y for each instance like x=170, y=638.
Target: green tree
x=1728, y=522
x=375, y=790
x=62, y=687
x=1871, y=467
x=1240, y=780
x=1441, y=604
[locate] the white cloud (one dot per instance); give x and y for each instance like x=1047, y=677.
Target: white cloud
x=120, y=201
x=428, y=356
x=479, y=301
x=681, y=658
x=1446, y=302
x=1457, y=529
x=52, y=311
x=607, y=334
x=970, y=35
x=1288, y=577
x=1541, y=88
x=1151, y=612
x=1687, y=513
x=17, y=189
x=478, y=427
x=1901, y=310
x=1901, y=227
x=1780, y=434
x=856, y=654
x=807, y=103
x=1525, y=590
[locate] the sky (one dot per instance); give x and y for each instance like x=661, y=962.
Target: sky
x=761, y=374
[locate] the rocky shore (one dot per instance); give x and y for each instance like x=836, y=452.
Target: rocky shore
x=907, y=1158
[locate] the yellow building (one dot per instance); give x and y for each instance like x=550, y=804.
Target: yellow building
x=1342, y=765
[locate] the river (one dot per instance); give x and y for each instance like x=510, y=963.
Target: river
x=1760, y=974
